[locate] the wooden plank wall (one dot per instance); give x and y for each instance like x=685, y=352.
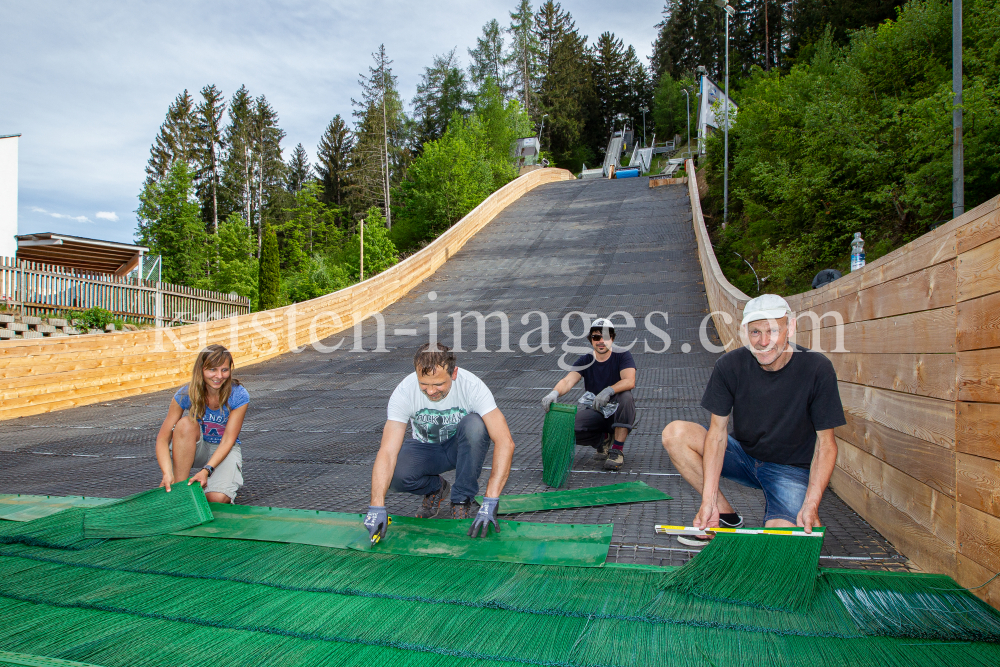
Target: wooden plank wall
x=41, y=375
x=918, y=363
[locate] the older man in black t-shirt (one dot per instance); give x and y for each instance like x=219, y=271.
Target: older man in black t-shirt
x=785, y=405
x=608, y=375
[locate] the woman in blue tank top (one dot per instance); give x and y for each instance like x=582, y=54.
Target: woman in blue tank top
x=206, y=439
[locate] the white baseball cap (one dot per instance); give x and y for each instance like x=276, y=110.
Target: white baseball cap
x=765, y=307
x=602, y=323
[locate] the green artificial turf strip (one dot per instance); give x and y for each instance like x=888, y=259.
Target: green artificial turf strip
x=23, y=507
x=558, y=443
x=8, y=659
x=611, y=494
x=153, y=512
x=580, y=545
x=767, y=571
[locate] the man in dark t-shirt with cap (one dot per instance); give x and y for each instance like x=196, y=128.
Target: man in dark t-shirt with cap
x=785, y=404
x=608, y=377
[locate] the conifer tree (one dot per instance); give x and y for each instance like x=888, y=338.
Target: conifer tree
x=332, y=156
x=176, y=140
x=488, y=61
x=610, y=77
x=441, y=93
x=379, y=156
x=208, y=123
x=523, y=56
x=298, y=170
x=269, y=279
x=169, y=225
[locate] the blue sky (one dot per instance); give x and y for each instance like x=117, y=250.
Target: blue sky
x=87, y=84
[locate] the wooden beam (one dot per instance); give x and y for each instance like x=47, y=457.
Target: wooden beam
x=982, y=230
x=979, y=376
x=976, y=429
x=979, y=537
x=978, y=323
x=979, y=580
x=931, y=509
x=909, y=537
x=979, y=271
x=925, y=418
x=933, y=375
x=929, y=331
x=924, y=461
x=978, y=483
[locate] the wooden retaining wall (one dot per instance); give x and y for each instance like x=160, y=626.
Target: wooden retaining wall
x=41, y=375
x=918, y=364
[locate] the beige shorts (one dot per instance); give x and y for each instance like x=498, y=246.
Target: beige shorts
x=228, y=475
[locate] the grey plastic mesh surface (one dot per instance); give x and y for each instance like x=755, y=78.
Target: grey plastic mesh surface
x=315, y=419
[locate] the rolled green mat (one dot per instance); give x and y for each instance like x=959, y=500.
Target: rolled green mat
x=558, y=443
x=610, y=494
x=153, y=512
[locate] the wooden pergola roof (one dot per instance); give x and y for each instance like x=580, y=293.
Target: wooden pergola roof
x=82, y=254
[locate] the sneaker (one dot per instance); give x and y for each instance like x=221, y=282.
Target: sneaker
x=693, y=541
x=431, y=506
x=603, y=448
x=466, y=510
x=726, y=524
x=615, y=459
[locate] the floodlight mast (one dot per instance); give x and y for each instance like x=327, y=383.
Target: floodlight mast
x=724, y=4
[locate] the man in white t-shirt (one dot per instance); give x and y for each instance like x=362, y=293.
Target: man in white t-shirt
x=452, y=418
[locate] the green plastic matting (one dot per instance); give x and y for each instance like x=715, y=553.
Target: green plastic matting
x=22, y=507
x=169, y=600
x=558, y=443
x=611, y=494
x=25, y=660
x=80, y=526
x=518, y=541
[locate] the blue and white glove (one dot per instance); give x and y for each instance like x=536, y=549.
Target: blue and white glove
x=487, y=515
x=376, y=521
x=602, y=398
x=549, y=399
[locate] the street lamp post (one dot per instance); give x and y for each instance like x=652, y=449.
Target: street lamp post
x=957, y=150
x=687, y=107
x=540, y=127
x=644, y=109
x=724, y=4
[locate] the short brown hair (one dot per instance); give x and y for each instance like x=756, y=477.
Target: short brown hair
x=428, y=358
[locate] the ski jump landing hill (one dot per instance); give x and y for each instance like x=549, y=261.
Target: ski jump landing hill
x=918, y=357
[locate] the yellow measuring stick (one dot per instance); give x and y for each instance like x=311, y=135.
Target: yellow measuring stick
x=691, y=530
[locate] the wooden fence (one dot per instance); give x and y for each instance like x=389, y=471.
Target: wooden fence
x=918, y=362
x=41, y=375
x=40, y=289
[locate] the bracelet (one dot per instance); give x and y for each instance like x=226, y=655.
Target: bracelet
x=209, y=468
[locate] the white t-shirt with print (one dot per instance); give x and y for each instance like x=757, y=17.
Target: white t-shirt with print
x=437, y=421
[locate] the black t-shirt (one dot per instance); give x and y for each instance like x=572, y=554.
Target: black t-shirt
x=598, y=375
x=776, y=413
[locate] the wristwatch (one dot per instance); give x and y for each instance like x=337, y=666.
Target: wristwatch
x=209, y=468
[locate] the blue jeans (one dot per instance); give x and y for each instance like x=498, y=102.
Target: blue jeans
x=419, y=464
x=784, y=486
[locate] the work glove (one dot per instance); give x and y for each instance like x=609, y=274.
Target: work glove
x=602, y=398
x=487, y=515
x=549, y=399
x=376, y=521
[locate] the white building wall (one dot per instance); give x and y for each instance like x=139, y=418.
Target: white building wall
x=8, y=195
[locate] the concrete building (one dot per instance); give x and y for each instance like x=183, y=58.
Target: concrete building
x=8, y=194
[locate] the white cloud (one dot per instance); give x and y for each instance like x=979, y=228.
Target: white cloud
x=63, y=216
x=108, y=215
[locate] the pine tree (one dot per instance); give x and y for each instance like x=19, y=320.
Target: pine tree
x=332, y=156
x=379, y=156
x=441, y=93
x=176, y=140
x=565, y=90
x=208, y=123
x=269, y=279
x=488, y=61
x=297, y=172
x=237, y=167
x=611, y=78
x=523, y=56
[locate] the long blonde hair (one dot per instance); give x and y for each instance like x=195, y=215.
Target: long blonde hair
x=212, y=356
